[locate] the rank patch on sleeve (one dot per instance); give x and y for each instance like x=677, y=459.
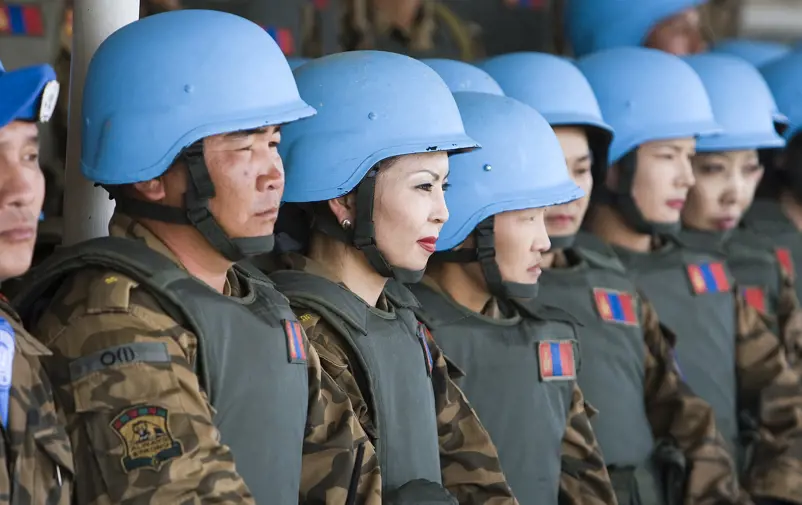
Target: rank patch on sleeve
x=296, y=352
x=615, y=306
x=16, y=19
x=786, y=260
x=755, y=297
x=424, y=336
x=708, y=278
x=556, y=360
x=146, y=437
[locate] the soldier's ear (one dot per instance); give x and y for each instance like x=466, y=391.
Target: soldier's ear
x=343, y=207
x=152, y=190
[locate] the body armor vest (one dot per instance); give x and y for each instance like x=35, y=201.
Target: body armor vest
x=766, y=220
x=395, y=364
x=596, y=290
x=519, y=376
x=694, y=297
x=243, y=344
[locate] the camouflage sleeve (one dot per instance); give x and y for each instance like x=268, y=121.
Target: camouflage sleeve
x=584, y=479
x=789, y=317
x=333, y=435
x=675, y=412
x=769, y=389
x=469, y=461
x=139, y=424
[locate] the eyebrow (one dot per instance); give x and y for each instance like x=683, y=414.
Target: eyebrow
x=435, y=175
x=31, y=139
x=252, y=131
x=584, y=157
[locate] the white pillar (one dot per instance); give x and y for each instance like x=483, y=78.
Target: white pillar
x=87, y=209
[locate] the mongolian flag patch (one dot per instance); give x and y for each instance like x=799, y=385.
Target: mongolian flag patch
x=21, y=19
x=556, y=360
x=786, y=260
x=425, y=336
x=296, y=352
x=708, y=278
x=615, y=306
x=755, y=297
x=283, y=38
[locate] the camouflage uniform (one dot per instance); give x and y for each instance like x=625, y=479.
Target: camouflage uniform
x=96, y=310
x=437, y=32
x=672, y=410
x=37, y=458
x=468, y=459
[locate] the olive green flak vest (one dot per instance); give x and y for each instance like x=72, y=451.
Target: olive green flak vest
x=519, y=376
x=243, y=343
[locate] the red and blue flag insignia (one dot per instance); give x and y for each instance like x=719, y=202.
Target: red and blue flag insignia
x=755, y=297
x=21, y=19
x=708, y=278
x=786, y=260
x=320, y=4
x=556, y=360
x=296, y=352
x=425, y=337
x=527, y=4
x=615, y=306
x=283, y=38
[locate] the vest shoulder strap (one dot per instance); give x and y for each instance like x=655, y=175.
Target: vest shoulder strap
x=597, y=253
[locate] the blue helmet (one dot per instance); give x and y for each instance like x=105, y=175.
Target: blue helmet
x=647, y=95
x=742, y=104
x=159, y=84
x=520, y=166
x=461, y=76
x=553, y=86
x=594, y=25
x=756, y=52
x=372, y=105
x=784, y=77
x=27, y=94
x=297, y=62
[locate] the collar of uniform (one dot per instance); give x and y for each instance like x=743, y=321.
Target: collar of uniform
x=127, y=227
x=296, y=261
x=708, y=241
x=767, y=215
x=492, y=309
x=560, y=259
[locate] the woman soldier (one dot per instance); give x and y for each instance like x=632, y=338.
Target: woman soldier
x=368, y=173
x=659, y=439
x=657, y=106
x=520, y=358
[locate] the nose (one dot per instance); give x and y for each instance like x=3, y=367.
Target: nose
x=686, y=178
x=273, y=178
x=735, y=191
x=541, y=242
x=17, y=188
x=439, y=213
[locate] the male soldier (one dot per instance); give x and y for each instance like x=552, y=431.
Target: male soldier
x=159, y=340
x=418, y=28
x=657, y=437
x=658, y=105
x=37, y=459
x=673, y=26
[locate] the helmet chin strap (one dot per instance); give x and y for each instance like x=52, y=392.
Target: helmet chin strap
x=196, y=212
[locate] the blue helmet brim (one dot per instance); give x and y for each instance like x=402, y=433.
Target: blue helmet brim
x=20, y=91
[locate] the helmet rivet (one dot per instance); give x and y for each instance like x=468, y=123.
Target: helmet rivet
x=487, y=168
x=372, y=116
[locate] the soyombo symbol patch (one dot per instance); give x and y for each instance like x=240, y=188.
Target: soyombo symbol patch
x=556, y=359
x=708, y=278
x=615, y=306
x=146, y=437
x=296, y=352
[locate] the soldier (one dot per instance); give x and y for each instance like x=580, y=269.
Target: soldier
x=725, y=352
x=673, y=26
x=657, y=437
x=37, y=458
x=727, y=170
x=520, y=357
x=367, y=175
x=776, y=214
x=172, y=363
x=418, y=28
x=756, y=52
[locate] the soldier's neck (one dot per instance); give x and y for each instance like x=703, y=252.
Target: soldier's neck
x=194, y=253
x=792, y=208
x=547, y=259
x=454, y=279
x=610, y=226
x=349, y=266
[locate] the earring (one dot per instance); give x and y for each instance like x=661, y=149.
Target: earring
x=346, y=224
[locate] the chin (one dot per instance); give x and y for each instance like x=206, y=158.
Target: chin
x=16, y=267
